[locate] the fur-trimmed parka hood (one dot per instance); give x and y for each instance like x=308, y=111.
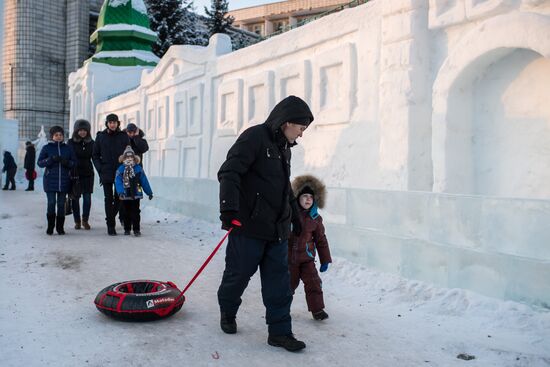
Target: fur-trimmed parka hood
x=315, y=184
x=81, y=124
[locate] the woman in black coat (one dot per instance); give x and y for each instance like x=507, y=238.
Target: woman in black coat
x=83, y=174
x=29, y=164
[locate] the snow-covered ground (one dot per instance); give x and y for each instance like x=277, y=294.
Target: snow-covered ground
x=47, y=315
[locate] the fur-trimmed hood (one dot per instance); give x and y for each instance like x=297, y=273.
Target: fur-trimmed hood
x=315, y=184
x=81, y=124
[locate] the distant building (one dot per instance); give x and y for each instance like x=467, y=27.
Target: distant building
x=269, y=18
x=42, y=43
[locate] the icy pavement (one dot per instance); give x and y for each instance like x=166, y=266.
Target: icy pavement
x=47, y=315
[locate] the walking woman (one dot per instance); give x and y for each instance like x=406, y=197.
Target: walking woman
x=58, y=159
x=83, y=174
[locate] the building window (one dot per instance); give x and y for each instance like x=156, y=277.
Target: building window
x=257, y=28
x=279, y=25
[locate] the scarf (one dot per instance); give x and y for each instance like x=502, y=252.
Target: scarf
x=128, y=173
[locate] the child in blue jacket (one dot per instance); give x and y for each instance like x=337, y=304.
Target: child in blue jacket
x=130, y=183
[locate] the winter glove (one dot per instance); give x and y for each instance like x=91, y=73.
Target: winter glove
x=227, y=218
x=150, y=197
x=56, y=158
x=323, y=267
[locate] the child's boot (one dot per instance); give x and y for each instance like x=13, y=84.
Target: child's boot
x=320, y=315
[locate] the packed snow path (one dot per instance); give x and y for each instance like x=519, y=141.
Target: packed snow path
x=49, y=283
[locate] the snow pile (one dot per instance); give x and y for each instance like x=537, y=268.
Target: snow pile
x=124, y=27
x=136, y=5
x=138, y=54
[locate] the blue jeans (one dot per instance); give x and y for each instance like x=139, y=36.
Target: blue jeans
x=59, y=198
x=86, y=206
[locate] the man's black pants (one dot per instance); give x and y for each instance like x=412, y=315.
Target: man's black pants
x=243, y=256
x=111, y=204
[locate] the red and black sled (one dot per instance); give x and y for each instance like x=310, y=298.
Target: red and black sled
x=147, y=300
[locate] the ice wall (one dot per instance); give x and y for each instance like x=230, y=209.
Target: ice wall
x=431, y=132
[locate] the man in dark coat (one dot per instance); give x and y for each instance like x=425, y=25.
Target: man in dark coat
x=255, y=190
x=109, y=145
x=29, y=164
x=11, y=169
x=137, y=141
x=83, y=145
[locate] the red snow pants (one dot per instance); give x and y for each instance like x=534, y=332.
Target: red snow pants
x=307, y=272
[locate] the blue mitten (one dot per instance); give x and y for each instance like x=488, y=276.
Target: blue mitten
x=323, y=268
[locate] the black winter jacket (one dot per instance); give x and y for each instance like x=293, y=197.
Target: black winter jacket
x=9, y=163
x=30, y=158
x=254, y=179
x=108, y=146
x=83, y=148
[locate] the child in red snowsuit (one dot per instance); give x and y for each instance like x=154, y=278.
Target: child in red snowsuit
x=310, y=194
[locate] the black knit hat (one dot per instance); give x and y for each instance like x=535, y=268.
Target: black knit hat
x=306, y=190
x=56, y=129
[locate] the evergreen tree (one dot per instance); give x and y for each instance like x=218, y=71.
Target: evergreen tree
x=174, y=22
x=217, y=19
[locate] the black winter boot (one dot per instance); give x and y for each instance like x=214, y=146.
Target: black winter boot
x=59, y=224
x=51, y=223
x=111, y=231
x=288, y=342
x=320, y=315
x=228, y=323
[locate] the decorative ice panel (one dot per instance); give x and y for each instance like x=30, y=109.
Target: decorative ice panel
x=444, y=13
x=294, y=79
x=190, y=153
x=151, y=126
x=230, y=108
x=483, y=8
x=195, y=109
x=259, y=98
x=333, y=85
x=180, y=114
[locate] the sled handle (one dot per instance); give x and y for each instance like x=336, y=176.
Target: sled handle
x=235, y=223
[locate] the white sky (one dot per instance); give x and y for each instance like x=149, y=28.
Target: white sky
x=233, y=4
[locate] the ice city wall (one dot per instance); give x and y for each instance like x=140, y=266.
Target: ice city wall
x=431, y=132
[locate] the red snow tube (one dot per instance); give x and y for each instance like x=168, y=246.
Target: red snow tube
x=140, y=300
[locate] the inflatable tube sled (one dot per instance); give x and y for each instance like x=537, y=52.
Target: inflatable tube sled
x=139, y=300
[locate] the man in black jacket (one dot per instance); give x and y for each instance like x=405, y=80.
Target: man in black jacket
x=255, y=190
x=137, y=140
x=29, y=164
x=109, y=145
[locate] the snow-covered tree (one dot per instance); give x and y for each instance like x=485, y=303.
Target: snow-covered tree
x=217, y=19
x=175, y=23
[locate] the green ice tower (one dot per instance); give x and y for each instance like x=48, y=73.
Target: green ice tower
x=123, y=36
